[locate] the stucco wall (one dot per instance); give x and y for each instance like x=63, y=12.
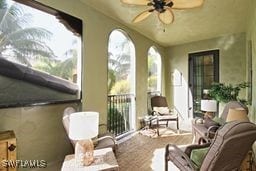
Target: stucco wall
x=39, y=132
x=232, y=65
x=251, y=36
x=39, y=129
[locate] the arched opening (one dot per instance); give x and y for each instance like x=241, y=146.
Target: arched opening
x=121, y=83
x=154, y=70
x=154, y=74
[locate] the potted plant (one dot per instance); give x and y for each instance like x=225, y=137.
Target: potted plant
x=224, y=93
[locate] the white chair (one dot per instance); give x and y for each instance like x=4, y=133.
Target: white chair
x=105, y=140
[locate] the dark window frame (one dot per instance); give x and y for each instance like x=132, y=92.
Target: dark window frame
x=191, y=57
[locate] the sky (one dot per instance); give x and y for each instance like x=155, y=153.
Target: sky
x=61, y=39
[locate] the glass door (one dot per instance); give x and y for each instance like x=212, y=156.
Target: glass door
x=203, y=71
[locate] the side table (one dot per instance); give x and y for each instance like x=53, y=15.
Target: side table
x=104, y=160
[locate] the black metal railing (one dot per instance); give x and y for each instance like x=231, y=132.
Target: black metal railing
x=119, y=110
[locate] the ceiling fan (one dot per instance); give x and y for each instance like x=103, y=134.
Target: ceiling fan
x=163, y=8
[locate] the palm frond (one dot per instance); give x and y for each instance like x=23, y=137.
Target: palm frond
x=36, y=33
x=71, y=52
x=7, y=24
x=20, y=58
x=10, y=12
x=32, y=45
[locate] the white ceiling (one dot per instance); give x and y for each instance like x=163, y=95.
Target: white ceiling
x=213, y=19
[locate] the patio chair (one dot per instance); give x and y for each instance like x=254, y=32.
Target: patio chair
x=103, y=140
x=227, y=151
x=208, y=127
x=160, y=108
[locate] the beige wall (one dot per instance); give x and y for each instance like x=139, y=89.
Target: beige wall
x=39, y=132
x=39, y=129
x=232, y=65
x=251, y=35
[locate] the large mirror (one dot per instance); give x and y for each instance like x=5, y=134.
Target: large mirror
x=40, y=54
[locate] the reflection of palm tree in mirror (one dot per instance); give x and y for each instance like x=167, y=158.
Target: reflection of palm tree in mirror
x=65, y=69
x=18, y=42
x=26, y=44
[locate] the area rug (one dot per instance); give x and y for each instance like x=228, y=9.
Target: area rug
x=163, y=132
x=143, y=153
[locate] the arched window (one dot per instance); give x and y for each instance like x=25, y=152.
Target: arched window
x=121, y=83
x=121, y=61
x=154, y=71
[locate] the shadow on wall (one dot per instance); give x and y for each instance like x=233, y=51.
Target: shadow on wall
x=180, y=89
x=226, y=42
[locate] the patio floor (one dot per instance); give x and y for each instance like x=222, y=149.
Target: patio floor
x=145, y=153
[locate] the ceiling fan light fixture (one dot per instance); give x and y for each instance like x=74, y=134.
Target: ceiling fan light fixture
x=163, y=7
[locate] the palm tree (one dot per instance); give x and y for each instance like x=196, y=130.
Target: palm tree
x=120, y=62
x=19, y=42
x=64, y=69
x=111, y=79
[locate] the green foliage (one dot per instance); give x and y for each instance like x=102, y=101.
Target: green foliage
x=111, y=79
x=227, y=92
x=28, y=45
x=152, y=83
x=116, y=122
x=120, y=63
x=121, y=87
x=17, y=38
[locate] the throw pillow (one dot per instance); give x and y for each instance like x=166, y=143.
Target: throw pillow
x=161, y=110
x=197, y=155
x=218, y=120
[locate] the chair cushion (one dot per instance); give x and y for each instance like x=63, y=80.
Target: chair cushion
x=197, y=156
x=167, y=117
x=162, y=110
x=218, y=120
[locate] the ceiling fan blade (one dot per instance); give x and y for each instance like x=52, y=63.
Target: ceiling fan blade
x=136, y=2
x=142, y=16
x=166, y=17
x=185, y=4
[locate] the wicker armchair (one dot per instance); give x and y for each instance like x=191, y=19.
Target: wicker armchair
x=222, y=154
x=104, y=140
x=200, y=129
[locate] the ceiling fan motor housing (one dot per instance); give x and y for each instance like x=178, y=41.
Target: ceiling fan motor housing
x=160, y=4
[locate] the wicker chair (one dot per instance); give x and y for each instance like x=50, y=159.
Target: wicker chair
x=222, y=154
x=200, y=130
x=164, y=114
x=104, y=140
